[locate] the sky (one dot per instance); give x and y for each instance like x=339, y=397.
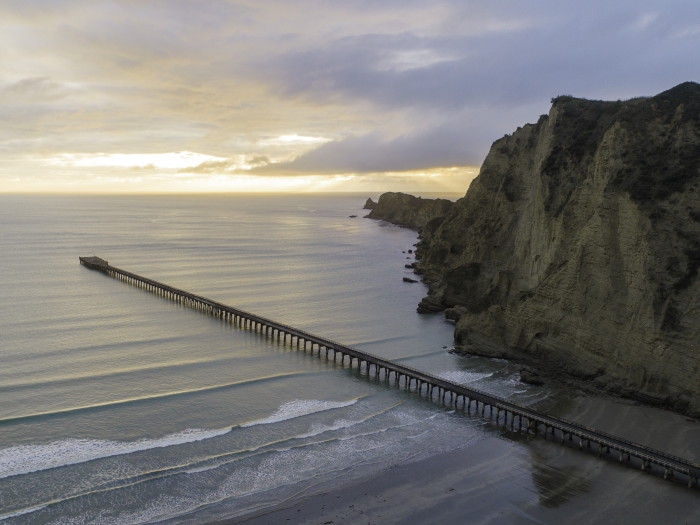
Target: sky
x=307, y=95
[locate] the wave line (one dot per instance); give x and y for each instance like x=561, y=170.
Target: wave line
x=144, y=399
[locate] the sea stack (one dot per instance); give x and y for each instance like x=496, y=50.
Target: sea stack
x=577, y=248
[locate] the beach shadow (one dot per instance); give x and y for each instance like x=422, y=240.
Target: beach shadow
x=557, y=486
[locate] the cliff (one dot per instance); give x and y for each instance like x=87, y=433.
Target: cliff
x=577, y=247
x=407, y=210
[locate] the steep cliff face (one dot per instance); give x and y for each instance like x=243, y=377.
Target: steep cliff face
x=577, y=248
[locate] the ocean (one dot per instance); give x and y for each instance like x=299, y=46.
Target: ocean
x=118, y=406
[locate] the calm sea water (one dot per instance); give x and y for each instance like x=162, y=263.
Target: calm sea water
x=121, y=407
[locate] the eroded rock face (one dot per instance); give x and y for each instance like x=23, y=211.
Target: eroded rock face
x=578, y=247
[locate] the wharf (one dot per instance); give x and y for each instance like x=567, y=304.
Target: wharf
x=435, y=388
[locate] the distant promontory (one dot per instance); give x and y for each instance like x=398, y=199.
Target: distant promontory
x=577, y=248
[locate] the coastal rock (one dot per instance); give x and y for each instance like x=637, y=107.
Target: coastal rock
x=530, y=376
x=369, y=204
x=407, y=210
x=577, y=248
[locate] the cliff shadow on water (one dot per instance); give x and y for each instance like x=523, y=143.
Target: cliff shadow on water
x=576, y=249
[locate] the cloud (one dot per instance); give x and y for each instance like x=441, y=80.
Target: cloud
x=35, y=90
x=544, y=50
x=234, y=165
x=442, y=146
x=377, y=84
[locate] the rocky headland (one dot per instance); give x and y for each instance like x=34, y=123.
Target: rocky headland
x=577, y=248
x=406, y=210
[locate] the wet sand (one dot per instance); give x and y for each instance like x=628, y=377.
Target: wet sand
x=517, y=478
x=440, y=489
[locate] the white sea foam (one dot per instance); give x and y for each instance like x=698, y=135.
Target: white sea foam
x=21, y=512
x=317, y=429
x=298, y=408
x=464, y=376
x=22, y=459
x=197, y=470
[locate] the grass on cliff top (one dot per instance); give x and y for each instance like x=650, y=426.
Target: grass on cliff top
x=655, y=165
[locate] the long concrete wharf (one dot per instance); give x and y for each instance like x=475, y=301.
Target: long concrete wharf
x=423, y=383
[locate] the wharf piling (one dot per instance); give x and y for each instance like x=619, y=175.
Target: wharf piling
x=422, y=383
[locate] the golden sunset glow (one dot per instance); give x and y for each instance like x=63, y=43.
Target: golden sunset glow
x=179, y=160
x=259, y=96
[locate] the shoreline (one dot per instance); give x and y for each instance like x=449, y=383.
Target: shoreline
x=517, y=478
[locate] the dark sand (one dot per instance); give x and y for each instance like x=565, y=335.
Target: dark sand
x=516, y=478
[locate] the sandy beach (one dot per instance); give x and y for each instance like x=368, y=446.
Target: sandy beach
x=516, y=478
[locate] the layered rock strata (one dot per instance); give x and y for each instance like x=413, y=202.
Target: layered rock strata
x=577, y=248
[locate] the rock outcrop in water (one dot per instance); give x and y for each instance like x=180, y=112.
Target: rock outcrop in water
x=577, y=248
